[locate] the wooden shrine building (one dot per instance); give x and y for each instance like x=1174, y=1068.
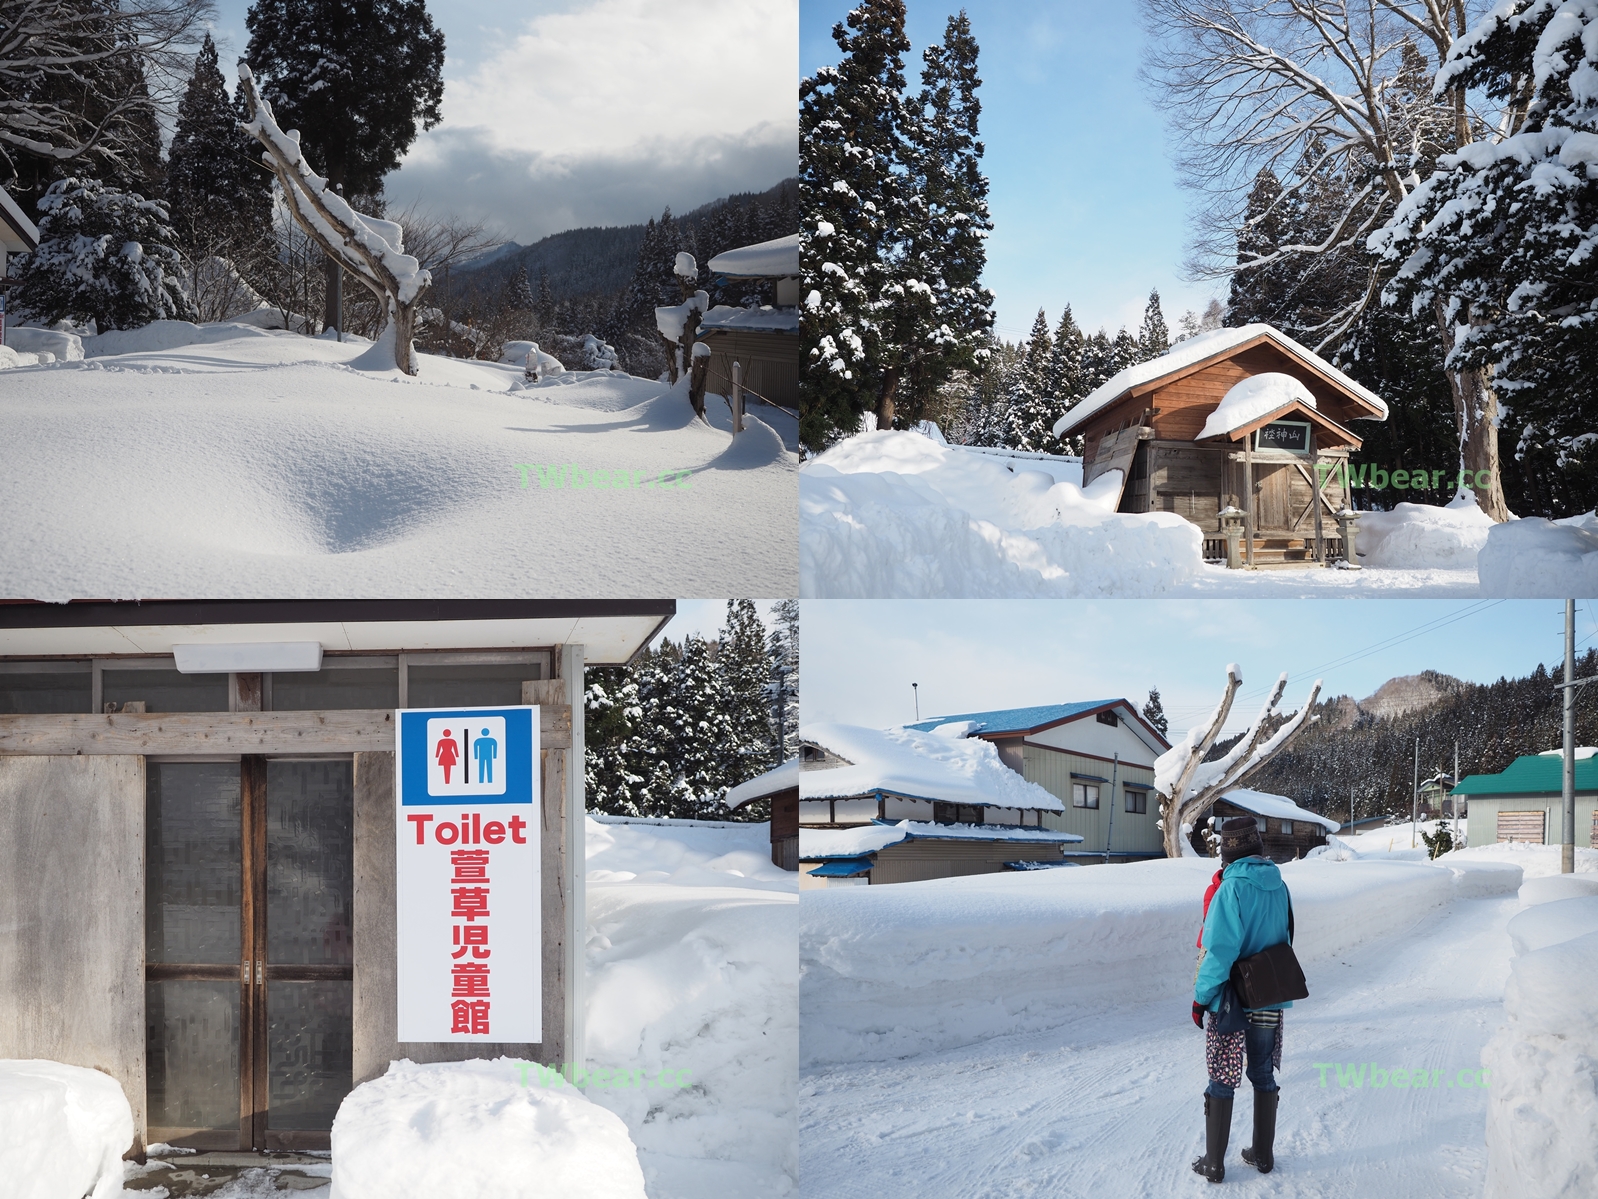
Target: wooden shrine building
x=1239, y=427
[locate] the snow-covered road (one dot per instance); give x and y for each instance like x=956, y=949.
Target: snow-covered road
x=1110, y=1105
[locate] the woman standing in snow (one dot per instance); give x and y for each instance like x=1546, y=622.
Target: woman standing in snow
x=1248, y=912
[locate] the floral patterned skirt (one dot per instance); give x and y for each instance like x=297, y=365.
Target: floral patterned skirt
x=1223, y=1054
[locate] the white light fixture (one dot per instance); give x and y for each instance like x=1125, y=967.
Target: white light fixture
x=249, y=657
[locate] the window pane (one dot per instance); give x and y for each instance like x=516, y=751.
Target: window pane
x=165, y=690
x=310, y=862
x=192, y=862
x=310, y=1054
x=337, y=687
x=192, y=1054
x=470, y=686
x=47, y=689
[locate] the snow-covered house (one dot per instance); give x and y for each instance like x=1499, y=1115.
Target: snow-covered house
x=1287, y=830
x=764, y=341
x=18, y=234
x=1095, y=756
x=1525, y=800
x=781, y=786
x=944, y=803
x=1245, y=419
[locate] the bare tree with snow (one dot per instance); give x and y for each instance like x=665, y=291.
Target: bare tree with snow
x=1188, y=786
x=371, y=250
x=1334, y=97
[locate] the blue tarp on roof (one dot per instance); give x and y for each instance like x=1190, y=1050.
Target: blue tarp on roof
x=1014, y=720
x=843, y=868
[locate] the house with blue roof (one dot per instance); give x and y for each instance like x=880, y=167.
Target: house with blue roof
x=1525, y=800
x=1096, y=756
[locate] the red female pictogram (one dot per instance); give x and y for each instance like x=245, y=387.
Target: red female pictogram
x=448, y=753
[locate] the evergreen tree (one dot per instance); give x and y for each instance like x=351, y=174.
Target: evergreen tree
x=1098, y=361
x=851, y=120
x=1259, y=287
x=219, y=198
x=784, y=653
x=358, y=80
x=1065, y=366
x=1030, y=410
x=545, y=306
x=1153, y=338
x=1124, y=352
x=1154, y=712
x=104, y=255
x=746, y=734
x=521, y=291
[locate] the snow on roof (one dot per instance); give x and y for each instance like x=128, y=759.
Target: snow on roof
x=782, y=778
x=767, y=318
x=956, y=728
x=1252, y=398
x=917, y=765
x=818, y=843
x=1194, y=350
x=1581, y=753
x=1263, y=804
x=1015, y=720
x=26, y=231
x=775, y=259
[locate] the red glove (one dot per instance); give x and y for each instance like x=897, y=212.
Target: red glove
x=1198, y=1014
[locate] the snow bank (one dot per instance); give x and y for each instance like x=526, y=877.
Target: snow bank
x=1543, y=1103
x=1419, y=536
x=472, y=1130
x=1252, y=398
x=1558, y=886
x=1535, y=861
x=918, y=766
x=166, y=335
x=66, y=1129
x=1536, y=557
x=11, y=358
x=692, y=949
x=65, y=346
x=1545, y=924
x=896, y=514
x=915, y=967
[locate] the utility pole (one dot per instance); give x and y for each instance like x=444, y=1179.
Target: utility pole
x=1115, y=772
x=915, y=689
x=1414, y=797
x=1452, y=797
x=1351, y=811
x=1567, y=836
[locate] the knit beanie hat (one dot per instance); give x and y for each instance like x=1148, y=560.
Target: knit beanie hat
x=1240, y=838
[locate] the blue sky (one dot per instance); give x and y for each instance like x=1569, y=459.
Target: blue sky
x=1085, y=204
x=562, y=113
x=858, y=658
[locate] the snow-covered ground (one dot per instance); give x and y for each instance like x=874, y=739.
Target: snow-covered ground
x=900, y=515
x=66, y=1128
x=229, y=460
x=1067, y=1063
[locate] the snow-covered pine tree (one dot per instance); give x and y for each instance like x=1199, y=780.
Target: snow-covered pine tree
x=1030, y=410
x=851, y=120
x=1153, y=337
x=545, y=303
x=105, y=256
x=1065, y=364
x=1124, y=352
x=217, y=194
x=521, y=291
x=1498, y=240
x=1260, y=284
x=783, y=648
x=1154, y=712
x=1098, y=361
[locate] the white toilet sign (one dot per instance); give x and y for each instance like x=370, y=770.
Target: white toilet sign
x=467, y=800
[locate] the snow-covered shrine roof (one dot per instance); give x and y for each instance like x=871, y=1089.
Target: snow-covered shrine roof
x=22, y=234
x=1262, y=803
x=1198, y=351
x=779, y=779
x=775, y=259
x=917, y=765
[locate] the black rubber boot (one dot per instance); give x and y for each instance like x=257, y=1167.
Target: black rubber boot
x=1217, y=1130
x=1260, y=1154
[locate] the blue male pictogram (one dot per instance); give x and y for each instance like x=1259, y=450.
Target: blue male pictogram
x=485, y=749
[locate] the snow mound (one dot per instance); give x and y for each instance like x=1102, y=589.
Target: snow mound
x=471, y=1130
x=1252, y=398
x=1536, y=557
x=66, y=1129
x=1418, y=536
x=166, y=335
x=1543, y=1103
x=692, y=952
x=1474, y=879
x=1556, y=887
x=11, y=358
x=918, y=765
x=1536, y=861
x=1550, y=923
x=896, y=514
x=65, y=346
x=916, y=967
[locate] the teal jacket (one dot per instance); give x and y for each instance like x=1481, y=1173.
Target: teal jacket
x=1248, y=913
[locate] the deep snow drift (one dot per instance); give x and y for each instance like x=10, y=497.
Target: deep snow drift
x=228, y=460
x=66, y=1129
x=901, y=515
x=692, y=965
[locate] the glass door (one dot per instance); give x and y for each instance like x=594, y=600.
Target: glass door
x=250, y=877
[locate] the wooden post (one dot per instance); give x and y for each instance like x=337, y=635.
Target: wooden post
x=1315, y=491
x=737, y=397
x=698, y=374
x=1248, y=500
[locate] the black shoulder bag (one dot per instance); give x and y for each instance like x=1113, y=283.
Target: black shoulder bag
x=1272, y=975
